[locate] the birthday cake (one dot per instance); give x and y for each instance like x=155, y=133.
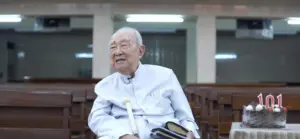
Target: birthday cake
x=270, y=115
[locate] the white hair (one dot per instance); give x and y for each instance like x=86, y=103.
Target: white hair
x=139, y=39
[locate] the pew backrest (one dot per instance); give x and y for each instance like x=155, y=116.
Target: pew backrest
x=35, y=110
x=34, y=133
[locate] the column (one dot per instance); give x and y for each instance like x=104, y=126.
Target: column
x=102, y=31
x=206, y=49
x=3, y=61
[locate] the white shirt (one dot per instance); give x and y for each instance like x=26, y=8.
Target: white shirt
x=156, y=97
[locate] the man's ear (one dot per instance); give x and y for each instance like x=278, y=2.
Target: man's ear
x=142, y=50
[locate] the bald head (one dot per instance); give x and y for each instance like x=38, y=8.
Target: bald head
x=132, y=33
x=126, y=49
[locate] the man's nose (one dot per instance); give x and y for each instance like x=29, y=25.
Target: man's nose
x=118, y=51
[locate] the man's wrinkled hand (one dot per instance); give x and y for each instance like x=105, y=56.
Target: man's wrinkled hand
x=129, y=137
x=190, y=135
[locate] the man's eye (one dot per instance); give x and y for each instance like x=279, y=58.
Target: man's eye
x=113, y=47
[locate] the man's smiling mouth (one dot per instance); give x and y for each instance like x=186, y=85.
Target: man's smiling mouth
x=120, y=60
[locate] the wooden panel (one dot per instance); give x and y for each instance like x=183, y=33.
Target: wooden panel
x=90, y=94
x=238, y=101
x=78, y=92
x=34, y=133
x=34, y=99
x=236, y=85
x=224, y=127
x=63, y=80
x=214, y=119
x=33, y=122
x=77, y=125
x=50, y=117
x=224, y=99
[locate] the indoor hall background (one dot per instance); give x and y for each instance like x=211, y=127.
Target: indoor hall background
x=167, y=49
x=52, y=55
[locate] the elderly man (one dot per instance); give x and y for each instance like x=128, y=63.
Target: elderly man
x=155, y=93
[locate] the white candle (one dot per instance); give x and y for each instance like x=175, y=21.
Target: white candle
x=130, y=115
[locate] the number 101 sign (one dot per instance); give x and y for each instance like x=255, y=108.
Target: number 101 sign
x=270, y=100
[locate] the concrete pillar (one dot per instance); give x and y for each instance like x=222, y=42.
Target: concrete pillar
x=206, y=49
x=3, y=61
x=102, y=31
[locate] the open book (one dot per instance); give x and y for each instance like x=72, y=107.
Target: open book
x=170, y=130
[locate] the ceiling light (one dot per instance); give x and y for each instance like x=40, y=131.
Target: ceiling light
x=154, y=18
x=83, y=55
x=225, y=56
x=10, y=18
x=293, y=20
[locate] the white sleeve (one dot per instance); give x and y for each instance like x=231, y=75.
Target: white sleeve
x=183, y=110
x=103, y=124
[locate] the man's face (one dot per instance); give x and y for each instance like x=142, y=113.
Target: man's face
x=124, y=52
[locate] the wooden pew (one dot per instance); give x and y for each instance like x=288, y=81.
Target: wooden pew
x=23, y=114
x=78, y=123
x=219, y=101
x=34, y=133
x=79, y=89
x=62, y=80
x=198, y=103
x=236, y=99
x=90, y=97
x=36, y=110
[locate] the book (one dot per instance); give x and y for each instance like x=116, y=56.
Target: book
x=170, y=130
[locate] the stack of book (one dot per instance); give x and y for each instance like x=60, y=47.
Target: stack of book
x=170, y=130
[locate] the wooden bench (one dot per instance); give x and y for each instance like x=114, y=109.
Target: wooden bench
x=78, y=122
x=198, y=103
x=83, y=94
x=34, y=133
x=24, y=113
x=62, y=80
x=90, y=97
x=231, y=105
x=219, y=102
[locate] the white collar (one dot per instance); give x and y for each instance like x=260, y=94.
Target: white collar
x=125, y=77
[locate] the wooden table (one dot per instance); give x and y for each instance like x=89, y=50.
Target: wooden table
x=292, y=131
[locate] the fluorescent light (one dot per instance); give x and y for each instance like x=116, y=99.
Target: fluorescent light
x=21, y=54
x=154, y=18
x=225, y=56
x=293, y=20
x=84, y=55
x=10, y=18
x=160, y=30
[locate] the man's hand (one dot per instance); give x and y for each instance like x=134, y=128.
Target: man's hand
x=129, y=137
x=190, y=135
